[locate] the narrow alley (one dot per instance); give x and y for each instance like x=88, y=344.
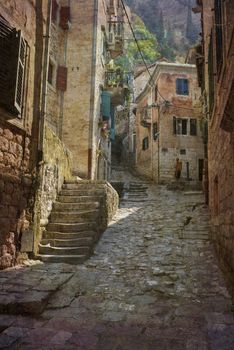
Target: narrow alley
x=153, y=283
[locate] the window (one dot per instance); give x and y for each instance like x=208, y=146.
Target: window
x=13, y=58
x=156, y=93
x=155, y=131
x=145, y=143
x=50, y=73
x=193, y=127
x=54, y=11
x=182, y=87
x=183, y=151
x=180, y=126
x=211, y=75
x=219, y=33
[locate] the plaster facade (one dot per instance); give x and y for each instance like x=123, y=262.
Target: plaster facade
x=164, y=130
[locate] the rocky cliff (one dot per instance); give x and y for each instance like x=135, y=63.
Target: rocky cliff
x=171, y=20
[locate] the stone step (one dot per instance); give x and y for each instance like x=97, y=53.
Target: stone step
x=74, y=217
x=84, y=192
x=50, y=250
x=78, y=199
x=72, y=227
x=75, y=206
x=81, y=186
x=77, y=242
x=70, y=235
x=137, y=195
x=69, y=259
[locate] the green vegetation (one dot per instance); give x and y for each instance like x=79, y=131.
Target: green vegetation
x=147, y=43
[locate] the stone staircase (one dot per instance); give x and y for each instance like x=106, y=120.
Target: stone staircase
x=135, y=191
x=74, y=223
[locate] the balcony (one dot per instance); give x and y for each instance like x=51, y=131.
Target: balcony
x=115, y=36
x=145, y=117
x=117, y=83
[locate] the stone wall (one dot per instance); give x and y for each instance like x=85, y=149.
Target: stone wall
x=16, y=158
x=56, y=167
x=14, y=191
x=109, y=205
x=221, y=135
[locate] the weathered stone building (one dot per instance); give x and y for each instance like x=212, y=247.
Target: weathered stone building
x=216, y=76
x=57, y=107
x=168, y=124
x=17, y=93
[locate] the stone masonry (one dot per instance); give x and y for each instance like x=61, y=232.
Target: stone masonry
x=16, y=159
x=218, y=90
x=153, y=284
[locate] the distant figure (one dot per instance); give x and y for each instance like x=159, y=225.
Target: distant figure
x=178, y=168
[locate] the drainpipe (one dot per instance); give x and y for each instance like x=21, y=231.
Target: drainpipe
x=44, y=80
x=92, y=94
x=151, y=136
x=159, y=134
x=61, y=115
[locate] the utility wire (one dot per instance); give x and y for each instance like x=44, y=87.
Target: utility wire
x=139, y=49
x=145, y=64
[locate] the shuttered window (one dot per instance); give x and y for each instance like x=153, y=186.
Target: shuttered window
x=65, y=17
x=180, y=126
x=182, y=86
x=54, y=11
x=13, y=53
x=106, y=104
x=211, y=75
x=145, y=143
x=155, y=131
x=6, y=33
x=193, y=127
x=62, y=78
x=219, y=33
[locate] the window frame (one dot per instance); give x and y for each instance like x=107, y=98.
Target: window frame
x=181, y=90
x=52, y=63
x=179, y=124
x=193, y=129
x=145, y=143
x=15, y=68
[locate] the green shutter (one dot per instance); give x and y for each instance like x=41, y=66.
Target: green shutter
x=106, y=104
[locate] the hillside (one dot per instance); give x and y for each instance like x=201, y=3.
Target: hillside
x=173, y=22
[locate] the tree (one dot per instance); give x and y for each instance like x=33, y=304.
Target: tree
x=147, y=43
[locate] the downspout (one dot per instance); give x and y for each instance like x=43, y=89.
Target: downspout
x=41, y=132
x=159, y=134
x=151, y=136
x=44, y=81
x=92, y=94
x=61, y=116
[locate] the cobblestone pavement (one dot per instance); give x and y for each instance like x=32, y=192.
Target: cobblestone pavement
x=153, y=284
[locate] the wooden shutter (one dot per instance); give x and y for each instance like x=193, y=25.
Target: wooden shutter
x=12, y=67
x=54, y=11
x=174, y=125
x=185, y=89
x=106, y=104
x=178, y=86
x=5, y=58
x=62, y=78
x=193, y=127
x=65, y=17
x=18, y=72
